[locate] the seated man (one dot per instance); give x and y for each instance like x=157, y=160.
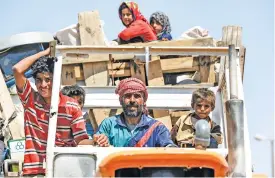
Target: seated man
x=133, y=127
x=78, y=93
x=203, y=102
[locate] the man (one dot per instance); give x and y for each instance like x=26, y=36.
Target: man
x=70, y=124
x=133, y=127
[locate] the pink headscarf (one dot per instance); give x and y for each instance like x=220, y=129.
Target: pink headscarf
x=132, y=85
x=134, y=9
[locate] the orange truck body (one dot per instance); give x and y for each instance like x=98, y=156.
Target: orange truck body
x=163, y=158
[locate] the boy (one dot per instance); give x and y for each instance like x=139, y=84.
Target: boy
x=203, y=102
x=78, y=93
x=70, y=130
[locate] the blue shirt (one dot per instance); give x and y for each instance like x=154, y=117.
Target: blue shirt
x=165, y=35
x=89, y=126
x=119, y=134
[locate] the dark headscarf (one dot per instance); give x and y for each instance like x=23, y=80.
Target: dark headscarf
x=163, y=19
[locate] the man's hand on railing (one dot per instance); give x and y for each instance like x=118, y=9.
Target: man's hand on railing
x=101, y=140
x=47, y=52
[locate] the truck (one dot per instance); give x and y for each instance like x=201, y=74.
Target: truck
x=231, y=159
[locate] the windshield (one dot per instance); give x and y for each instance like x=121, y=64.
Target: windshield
x=165, y=172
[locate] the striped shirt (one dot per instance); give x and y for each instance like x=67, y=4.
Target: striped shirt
x=70, y=127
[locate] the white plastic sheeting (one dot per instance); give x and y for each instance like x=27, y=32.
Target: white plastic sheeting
x=195, y=32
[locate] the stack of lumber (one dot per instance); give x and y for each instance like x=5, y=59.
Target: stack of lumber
x=79, y=67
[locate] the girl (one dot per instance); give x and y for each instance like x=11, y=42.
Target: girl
x=137, y=27
x=160, y=22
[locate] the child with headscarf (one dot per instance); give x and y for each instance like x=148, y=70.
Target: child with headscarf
x=137, y=27
x=160, y=22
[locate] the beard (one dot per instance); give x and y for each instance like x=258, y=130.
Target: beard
x=130, y=112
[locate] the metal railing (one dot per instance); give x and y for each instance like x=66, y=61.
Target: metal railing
x=147, y=51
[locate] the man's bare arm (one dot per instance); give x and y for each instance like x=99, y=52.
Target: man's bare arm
x=21, y=67
x=98, y=139
x=86, y=142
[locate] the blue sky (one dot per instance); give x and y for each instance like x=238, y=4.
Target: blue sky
x=256, y=18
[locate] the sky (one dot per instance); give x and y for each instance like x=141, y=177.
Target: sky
x=255, y=17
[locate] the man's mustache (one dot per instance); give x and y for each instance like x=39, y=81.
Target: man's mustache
x=132, y=105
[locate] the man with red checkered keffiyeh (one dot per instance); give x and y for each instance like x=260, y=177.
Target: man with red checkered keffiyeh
x=133, y=127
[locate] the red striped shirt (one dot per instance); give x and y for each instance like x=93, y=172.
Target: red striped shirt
x=70, y=127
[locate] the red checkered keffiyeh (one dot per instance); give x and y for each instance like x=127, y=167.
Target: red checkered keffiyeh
x=132, y=85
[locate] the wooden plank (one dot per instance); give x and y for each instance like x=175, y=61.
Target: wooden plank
x=79, y=74
x=185, y=42
x=121, y=65
x=71, y=73
x=204, y=68
x=173, y=43
x=154, y=58
x=182, y=64
x=52, y=46
x=96, y=116
x=121, y=57
x=114, y=112
x=166, y=120
x=120, y=73
x=222, y=72
x=77, y=71
x=93, y=119
x=95, y=74
x=99, y=115
x=138, y=71
x=160, y=113
x=91, y=32
x=72, y=58
x=68, y=75
x=212, y=77
x=232, y=35
x=83, y=58
x=242, y=60
x=155, y=76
